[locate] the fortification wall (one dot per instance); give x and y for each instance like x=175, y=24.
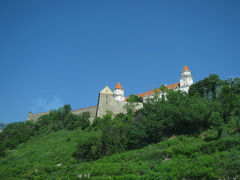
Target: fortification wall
x=34, y=117
x=92, y=110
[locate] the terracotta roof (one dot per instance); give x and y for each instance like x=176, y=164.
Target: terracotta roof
x=118, y=86
x=149, y=93
x=173, y=86
x=185, y=68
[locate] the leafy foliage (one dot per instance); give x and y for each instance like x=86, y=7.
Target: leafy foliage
x=63, y=119
x=207, y=87
x=14, y=134
x=134, y=98
x=2, y=125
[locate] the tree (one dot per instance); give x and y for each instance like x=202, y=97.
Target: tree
x=83, y=119
x=134, y=98
x=197, y=89
x=67, y=108
x=227, y=97
x=212, y=81
x=163, y=88
x=130, y=107
x=203, y=87
x=2, y=125
x=14, y=134
x=216, y=122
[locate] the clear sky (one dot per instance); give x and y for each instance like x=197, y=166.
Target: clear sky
x=56, y=52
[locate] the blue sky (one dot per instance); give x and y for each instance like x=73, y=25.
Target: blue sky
x=64, y=52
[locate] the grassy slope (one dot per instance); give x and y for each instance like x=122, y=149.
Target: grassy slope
x=175, y=158
x=40, y=155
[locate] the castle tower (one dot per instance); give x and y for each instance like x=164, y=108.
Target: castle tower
x=107, y=101
x=104, y=101
x=186, y=79
x=118, y=92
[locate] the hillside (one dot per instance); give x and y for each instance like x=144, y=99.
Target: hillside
x=173, y=158
x=40, y=156
x=187, y=136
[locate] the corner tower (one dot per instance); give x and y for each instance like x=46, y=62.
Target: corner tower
x=118, y=92
x=107, y=101
x=104, y=101
x=186, y=79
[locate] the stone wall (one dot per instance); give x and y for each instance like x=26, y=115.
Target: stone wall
x=34, y=117
x=92, y=110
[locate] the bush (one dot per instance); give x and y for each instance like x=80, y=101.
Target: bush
x=63, y=119
x=134, y=98
x=210, y=134
x=88, y=148
x=14, y=134
x=73, y=121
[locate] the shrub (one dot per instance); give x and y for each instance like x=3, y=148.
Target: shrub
x=14, y=134
x=88, y=148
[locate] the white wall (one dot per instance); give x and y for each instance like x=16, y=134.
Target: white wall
x=118, y=92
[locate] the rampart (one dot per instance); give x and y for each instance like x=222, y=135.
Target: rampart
x=34, y=117
x=92, y=110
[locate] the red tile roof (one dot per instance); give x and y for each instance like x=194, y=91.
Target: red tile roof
x=173, y=86
x=185, y=68
x=118, y=86
x=149, y=93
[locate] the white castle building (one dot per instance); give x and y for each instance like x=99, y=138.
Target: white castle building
x=186, y=81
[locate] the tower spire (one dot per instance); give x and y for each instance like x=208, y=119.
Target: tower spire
x=186, y=78
x=118, y=92
x=118, y=86
x=185, y=68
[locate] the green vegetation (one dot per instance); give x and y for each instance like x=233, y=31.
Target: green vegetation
x=182, y=136
x=20, y=132
x=2, y=125
x=134, y=98
x=208, y=87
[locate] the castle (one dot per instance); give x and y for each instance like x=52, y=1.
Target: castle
x=115, y=100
